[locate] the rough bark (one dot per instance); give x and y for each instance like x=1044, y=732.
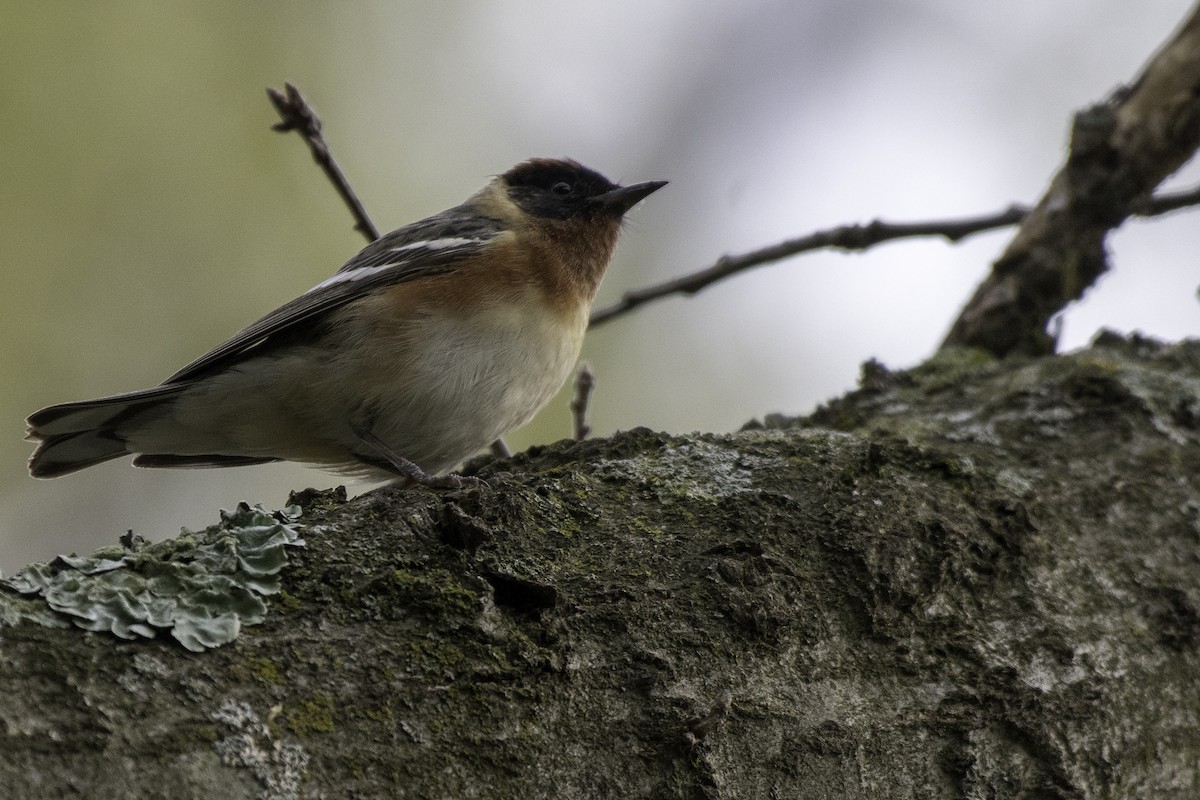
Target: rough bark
x=972, y=579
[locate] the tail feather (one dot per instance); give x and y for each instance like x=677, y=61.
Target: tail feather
x=168, y=461
x=70, y=452
x=103, y=412
x=73, y=436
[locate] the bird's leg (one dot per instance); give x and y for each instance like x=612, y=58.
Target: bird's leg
x=409, y=470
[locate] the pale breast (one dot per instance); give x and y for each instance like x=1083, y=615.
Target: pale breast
x=451, y=384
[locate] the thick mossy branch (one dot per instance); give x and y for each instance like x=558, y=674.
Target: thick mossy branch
x=974, y=578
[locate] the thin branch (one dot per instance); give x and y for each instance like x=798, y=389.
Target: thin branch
x=297, y=115
x=844, y=237
x=1167, y=202
x=851, y=238
x=585, y=382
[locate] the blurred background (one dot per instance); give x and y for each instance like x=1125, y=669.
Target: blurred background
x=148, y=212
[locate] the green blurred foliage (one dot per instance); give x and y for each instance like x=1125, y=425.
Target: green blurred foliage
x=149, y=211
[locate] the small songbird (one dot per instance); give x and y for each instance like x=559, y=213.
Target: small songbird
x=432, y=342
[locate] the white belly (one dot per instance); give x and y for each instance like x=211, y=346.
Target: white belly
x=477, y=382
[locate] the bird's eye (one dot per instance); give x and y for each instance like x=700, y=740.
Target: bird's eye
x=562, y=189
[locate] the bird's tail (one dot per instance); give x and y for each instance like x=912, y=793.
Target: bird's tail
x=72, y=436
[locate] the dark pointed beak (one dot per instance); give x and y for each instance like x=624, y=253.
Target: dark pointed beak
x=623, y=198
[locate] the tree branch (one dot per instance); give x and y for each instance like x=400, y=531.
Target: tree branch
x=1145, y=127
x=297, y=115
x=585, y=382
x=843, y=237
x=1120, y=151
x=854, y=238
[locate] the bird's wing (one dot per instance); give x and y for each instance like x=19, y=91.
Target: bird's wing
x=433, y=246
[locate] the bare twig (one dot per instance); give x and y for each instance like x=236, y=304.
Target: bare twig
x=1120, y=151
x=853, y=237
x=843, y=237
x=297, y=115
x=1166, y=202
x=585, y=382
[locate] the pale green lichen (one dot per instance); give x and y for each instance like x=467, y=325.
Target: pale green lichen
x=201, y=587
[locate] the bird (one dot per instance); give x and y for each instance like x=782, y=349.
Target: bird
x=432, y=342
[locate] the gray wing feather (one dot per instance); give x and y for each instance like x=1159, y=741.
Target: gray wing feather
x=433, y=246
